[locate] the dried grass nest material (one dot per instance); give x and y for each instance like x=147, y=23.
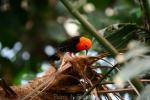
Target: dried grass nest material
x=64, y=80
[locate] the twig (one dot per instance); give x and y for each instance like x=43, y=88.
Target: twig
x=145, y=9
x=111, y=82
x=107, y=95
x=98, y=83
x=116, y=90
x=131, y=84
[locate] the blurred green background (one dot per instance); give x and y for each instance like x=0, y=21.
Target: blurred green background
x=30, y=30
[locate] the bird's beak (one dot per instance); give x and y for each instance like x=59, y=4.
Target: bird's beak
x=86, y=52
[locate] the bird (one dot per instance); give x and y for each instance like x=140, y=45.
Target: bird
x=73, y=45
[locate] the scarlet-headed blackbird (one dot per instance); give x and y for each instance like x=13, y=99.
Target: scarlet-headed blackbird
x=73, y=45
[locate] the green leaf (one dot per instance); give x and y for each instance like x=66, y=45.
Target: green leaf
x=121, y=34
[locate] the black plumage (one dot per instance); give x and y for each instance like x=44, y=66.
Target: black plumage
x=70, y=45
x=67, y=46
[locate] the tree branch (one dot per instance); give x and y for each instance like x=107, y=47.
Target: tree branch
x=90, y=28
x=145, y=9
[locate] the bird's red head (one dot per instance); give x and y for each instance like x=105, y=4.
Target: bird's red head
x=84, y=44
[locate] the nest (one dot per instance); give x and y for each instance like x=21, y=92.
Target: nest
x=70, y=80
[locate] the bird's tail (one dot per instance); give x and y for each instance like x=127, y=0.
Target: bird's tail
x=54, y=57
x=57, y=56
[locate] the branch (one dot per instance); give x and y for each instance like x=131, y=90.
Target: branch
x=90, y=28
x=145, y=9
x=117, y=90
x=142, y=80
